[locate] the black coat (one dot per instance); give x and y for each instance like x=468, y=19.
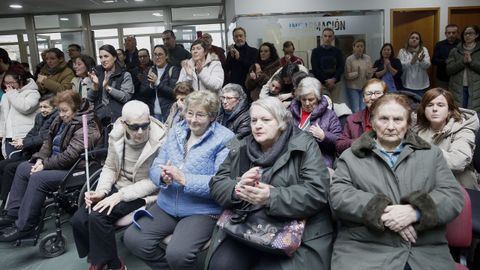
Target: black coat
x=39, y=133
x=238, y=69
x=238, y=121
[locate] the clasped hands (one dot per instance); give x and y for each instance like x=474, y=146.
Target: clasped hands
x=250, y=188
x=399, y=218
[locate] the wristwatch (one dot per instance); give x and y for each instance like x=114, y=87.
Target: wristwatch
x=108, y=88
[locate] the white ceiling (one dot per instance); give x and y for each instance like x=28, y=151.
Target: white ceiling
x=61, y=6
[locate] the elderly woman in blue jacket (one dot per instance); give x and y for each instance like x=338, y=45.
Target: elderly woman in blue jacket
x=191, y=155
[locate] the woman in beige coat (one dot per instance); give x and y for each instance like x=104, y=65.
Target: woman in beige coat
x=441, y=123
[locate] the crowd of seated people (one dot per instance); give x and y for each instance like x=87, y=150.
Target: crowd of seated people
x=192, y=136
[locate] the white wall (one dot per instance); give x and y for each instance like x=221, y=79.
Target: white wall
x=255, y=7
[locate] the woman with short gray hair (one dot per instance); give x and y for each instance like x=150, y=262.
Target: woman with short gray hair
x=234, y=112
x=310, y=113
x=193, y=151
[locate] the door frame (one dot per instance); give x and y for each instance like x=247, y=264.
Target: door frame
x=436, y=25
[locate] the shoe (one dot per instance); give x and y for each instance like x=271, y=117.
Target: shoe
x=13, y=233
x=6, y=221
x=97, y=267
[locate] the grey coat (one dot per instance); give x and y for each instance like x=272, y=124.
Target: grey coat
x=455, y=69
x=301, y=182
x=364, y=184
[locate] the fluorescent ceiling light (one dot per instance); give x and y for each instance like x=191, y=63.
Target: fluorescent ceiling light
x=108, y=1
x=201, y=15
x=16, y=6
x=157, y=14
x=64, y=19
x=138, y=0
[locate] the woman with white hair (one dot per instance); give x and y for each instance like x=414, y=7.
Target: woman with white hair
x=123, y=186
x=310, y=113
x=190, y=156
x=234, y=112
x=284, y=175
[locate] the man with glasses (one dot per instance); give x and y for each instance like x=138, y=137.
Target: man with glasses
x=131, y=52
x=140, y=73
x=124, y=185
x=359, y=122
x=74, y=51
x=234, y=113
x=440, y=54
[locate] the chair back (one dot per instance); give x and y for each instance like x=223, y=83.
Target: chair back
x=459, y=230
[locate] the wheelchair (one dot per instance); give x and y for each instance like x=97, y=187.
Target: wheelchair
x=62, y=201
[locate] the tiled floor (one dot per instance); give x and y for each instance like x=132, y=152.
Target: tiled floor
x=29, y=257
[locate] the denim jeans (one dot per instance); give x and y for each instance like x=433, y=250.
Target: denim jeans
x=355, y=99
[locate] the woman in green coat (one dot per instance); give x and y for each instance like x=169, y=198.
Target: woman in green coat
x=393, y=194
x=288, y=177
x=463, y=67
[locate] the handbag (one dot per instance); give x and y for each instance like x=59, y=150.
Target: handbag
x=263, y=232
x=251, y=225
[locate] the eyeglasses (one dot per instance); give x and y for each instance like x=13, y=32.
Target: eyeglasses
x=376, y=93
x=143, y=56
x=158, y=54
x=10, y=83
x=136, y=127
x=191, y=114
x=227, y=98
x=469, y=33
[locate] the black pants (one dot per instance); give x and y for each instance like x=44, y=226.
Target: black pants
x=234, y=255
x=94, y=233
x=8, y=167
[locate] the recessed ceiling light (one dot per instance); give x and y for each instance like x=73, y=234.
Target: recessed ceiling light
x=157, y=14
x=108, y=1
x=16, y=6
x=138, y=0
x=64, y=19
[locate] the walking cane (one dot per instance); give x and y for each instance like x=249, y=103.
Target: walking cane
x=85, y=144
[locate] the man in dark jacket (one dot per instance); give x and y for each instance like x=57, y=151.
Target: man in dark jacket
x=441, y=51
x=328, y=64
x=28, y=145
x=131, y=52
x=234, y=113
x=240, y=57
x=176, y=52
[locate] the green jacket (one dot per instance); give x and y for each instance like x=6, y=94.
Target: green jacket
x=364, y=184
x=59, y=81
x=455, y=69
x=301, y=183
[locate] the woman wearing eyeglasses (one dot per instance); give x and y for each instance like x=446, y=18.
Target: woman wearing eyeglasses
x=190, y=156
x=359, y=122
x=234, y=112
x=463, y=67
x=123, y=185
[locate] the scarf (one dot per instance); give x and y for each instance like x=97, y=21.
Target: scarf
x=267, y=159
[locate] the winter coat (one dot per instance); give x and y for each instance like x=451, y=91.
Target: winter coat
x=457, y=142
x=109, y=105
x=210, y=78
x=327, y=120
x=353, y=129
x=238, y=121
x=58, y=81
x=39, y=133
x=414, y=76
x=255, y=85
x=141, y=185
x=72, y=140
x=163, y=91
x=455, y=69
x=199, y=164
x=81, y=85
x=237, y=69
x=301, y=184
x=364, y=184
x=18, y=109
